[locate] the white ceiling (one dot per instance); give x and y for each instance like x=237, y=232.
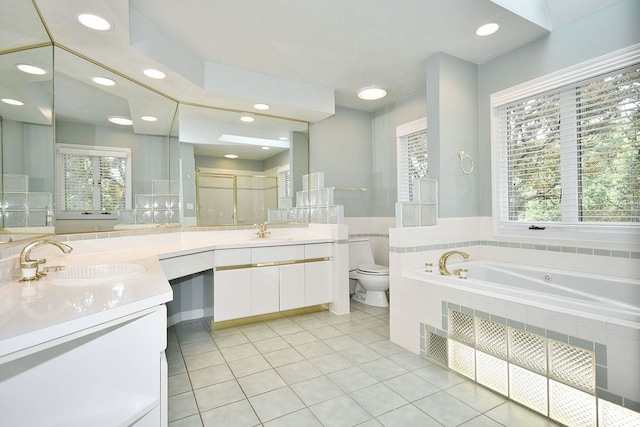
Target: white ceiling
x=336, y=44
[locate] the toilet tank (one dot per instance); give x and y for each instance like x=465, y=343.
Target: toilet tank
x=359, y=253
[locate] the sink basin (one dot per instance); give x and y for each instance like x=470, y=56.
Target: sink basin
x=95, y=274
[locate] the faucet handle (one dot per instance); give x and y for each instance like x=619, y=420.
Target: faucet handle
x=29, y=270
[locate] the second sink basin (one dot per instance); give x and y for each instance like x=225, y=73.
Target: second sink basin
x=95, y=274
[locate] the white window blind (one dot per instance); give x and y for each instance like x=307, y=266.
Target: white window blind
x=284, y=183
x=572, y=155
x=93, y=180
x=412, y=157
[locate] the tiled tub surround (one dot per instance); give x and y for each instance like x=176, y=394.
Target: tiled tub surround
x=415, y=302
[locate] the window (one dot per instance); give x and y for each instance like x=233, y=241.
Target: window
x=92, y=180
x=570, y=155
x=411, y=140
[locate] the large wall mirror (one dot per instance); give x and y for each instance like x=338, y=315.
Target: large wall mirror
x=112, y=154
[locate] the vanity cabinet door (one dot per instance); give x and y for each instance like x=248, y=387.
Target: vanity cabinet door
x=318, y=278
x=292, y=292
x=265, y=290
x=231, y=294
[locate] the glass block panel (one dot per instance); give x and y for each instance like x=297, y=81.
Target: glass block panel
x=322, y=214
x=462, y=359
x=161, y=216
x=428, y=214
x=144, y=201
x=316, y=180
x=612, y=415
x=571, y=406
x=528, y=388
x=174, y=201
x=273, y=215
x=313, y=215
x=285, y=203
x=335, y=214
x=407, y=215
x=39, y=200
x=15, y=183
x=325, y=196
x=174, y=186
x=426, y=190
x=528, y=350
x=437, y=348
x=37, y=218
x=313, y=197
x=302, y=199
x=144, y=216
x=15, y=219
x=175, y=215
x=160, y=186
x=15, y=201
x=126, y=216
x=572, y=365
x=491, y=337
x=492, y=373
x=461, y=327
x=162, y=201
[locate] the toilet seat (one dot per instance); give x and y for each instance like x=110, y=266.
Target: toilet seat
x=373, y=270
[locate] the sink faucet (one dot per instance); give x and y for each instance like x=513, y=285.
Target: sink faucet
x=26, y=263
x=442, y=264
x=262, y=232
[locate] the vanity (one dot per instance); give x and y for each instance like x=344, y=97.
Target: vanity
x=90, y=350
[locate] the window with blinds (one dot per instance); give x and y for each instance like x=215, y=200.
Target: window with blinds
x=412, y=157
x=93, y=180
x=572, y=154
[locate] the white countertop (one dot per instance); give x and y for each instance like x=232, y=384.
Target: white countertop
x=40, y=311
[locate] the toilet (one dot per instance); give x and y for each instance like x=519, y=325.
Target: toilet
x=369, y=282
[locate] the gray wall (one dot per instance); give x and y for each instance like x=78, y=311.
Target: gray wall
x=610, y=29
x=341, y=148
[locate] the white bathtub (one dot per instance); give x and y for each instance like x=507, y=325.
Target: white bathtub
x=595, y=294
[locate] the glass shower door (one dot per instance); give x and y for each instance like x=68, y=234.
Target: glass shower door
x=215, y=194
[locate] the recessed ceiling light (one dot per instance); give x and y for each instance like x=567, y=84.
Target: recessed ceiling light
x=149, y=118
x=231, y=156
x=31, y=69
x=247, y=119
x=12, y=101
x=266, y=148
x=261, y=106
x=371, y=93
x=121, y=121
x=487, y=29
x=94, y=22
x=154, y=74
x=104, y=81
x=284, y=138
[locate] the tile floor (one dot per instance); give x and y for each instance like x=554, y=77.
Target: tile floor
x=320, y=369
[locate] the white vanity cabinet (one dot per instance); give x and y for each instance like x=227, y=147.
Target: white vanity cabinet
x=268, y=279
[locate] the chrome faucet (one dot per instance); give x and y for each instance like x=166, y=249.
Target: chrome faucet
x=262, y=232
x=26, y=263
x=442, y=264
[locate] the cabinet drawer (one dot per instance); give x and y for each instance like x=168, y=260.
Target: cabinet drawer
x=320, y=250
x=225, y=257
x=277, y=254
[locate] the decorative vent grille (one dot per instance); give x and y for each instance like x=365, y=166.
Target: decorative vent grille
x=571, y=406
x=461, y=327
x=491, y=337
x=528, y=388
x=528, y=350
x=492, y=373
x=437, y=348
x=572, y=365
x=462, y=359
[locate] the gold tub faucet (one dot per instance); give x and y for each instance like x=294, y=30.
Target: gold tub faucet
x=442, y=264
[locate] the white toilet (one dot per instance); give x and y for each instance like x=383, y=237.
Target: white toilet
x=370, y=281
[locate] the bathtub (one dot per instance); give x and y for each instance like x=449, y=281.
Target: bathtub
x=594, y=294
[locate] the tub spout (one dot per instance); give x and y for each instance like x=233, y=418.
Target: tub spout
x=442, y=264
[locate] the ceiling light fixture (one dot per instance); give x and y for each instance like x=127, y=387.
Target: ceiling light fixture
x=12, y=101
x=260, y=106
x=104, y=81
x=284, y=138
x=149, y=118
x=94, y=22
x=231, y=156
x=121, y=121
x=247, y=119
x=487, y=29
x=31, y=69
x=371, y=93
x=154, y=74
x=266, y=148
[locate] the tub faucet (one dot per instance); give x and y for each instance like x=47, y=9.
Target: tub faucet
x=262, y=232
x=442, y=264
x=27, y=263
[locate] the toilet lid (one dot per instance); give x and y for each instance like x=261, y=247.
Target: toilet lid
x=373, y=269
